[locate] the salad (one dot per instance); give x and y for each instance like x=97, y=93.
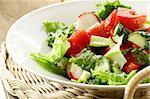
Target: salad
x=107, y=46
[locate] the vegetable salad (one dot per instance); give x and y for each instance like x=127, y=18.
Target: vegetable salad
x=107, y=46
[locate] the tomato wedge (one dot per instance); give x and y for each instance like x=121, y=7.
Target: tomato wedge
x=146, y=51
x=78, y=41
x=130, y=19
x=98, y=30
x=135, y=46
x=128, y=45
x=131, y=63
x=130, y=66
x=148, y=30
x=111, y=21
x=103, y=29
x=105, y=50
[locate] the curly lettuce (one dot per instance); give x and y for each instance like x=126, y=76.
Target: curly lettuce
x=105, y=8
x=100, y=76
x=55, y=60
x=56, y=29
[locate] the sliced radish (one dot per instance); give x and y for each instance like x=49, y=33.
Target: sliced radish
x=74, y=72
x=86, y=20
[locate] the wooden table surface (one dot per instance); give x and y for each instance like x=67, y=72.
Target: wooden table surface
x=11, y=10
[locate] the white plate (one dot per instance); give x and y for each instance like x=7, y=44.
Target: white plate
x=26, y=36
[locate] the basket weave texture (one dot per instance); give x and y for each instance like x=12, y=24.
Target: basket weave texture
x=25, y=85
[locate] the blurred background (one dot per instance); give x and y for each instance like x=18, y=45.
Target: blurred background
x=11, y=10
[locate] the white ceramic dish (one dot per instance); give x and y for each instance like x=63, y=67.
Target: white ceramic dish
x=26, y=36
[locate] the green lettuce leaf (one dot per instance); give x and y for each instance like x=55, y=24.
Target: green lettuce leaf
x=52, y=26
x=104, y=77
x=104, y=9
x=44, y=61
x=115, y=68
x=54, y=59
x=60, y=47
x=120, y=79
x=56, y=29
x=86, y=60
x=141, y=58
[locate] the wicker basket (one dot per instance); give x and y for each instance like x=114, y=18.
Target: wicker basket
x=23, y=84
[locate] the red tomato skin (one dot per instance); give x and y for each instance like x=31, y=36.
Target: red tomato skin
x=133, y=23
x=130, y=66
x=78, y=41
x=103, y=29
x=105, y=50
x=148, y=30
x=116, y=21
x=110, y=21
x=130, y=57
x=126, y=45
x=135, y=46
x=115, y=24
x=131, y=63
x=97, y=29
x=130, y=19
x=146, y=51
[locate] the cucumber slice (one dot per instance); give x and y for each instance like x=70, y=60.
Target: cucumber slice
x=120, y=30
x=84, y=76
x=97, y=41
x=111, y=43
x=138, y=39
x=144, y=34
x=117, y=57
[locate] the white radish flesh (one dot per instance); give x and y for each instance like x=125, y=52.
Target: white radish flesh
x=86, y=20
x=76, y=70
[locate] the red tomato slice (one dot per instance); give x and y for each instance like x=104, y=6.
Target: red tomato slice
x=130, y=57
x=135, y=46
x=146, y=51
x=130, y=19
x=116, y=21
x=98, y=30
x=130, y=66
x=103, y=29
x=105, y=50
x=148, y=30
x=126, y=45
x=131, y=63
x=111, y=32
x=110, y=21
x=78, y=41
